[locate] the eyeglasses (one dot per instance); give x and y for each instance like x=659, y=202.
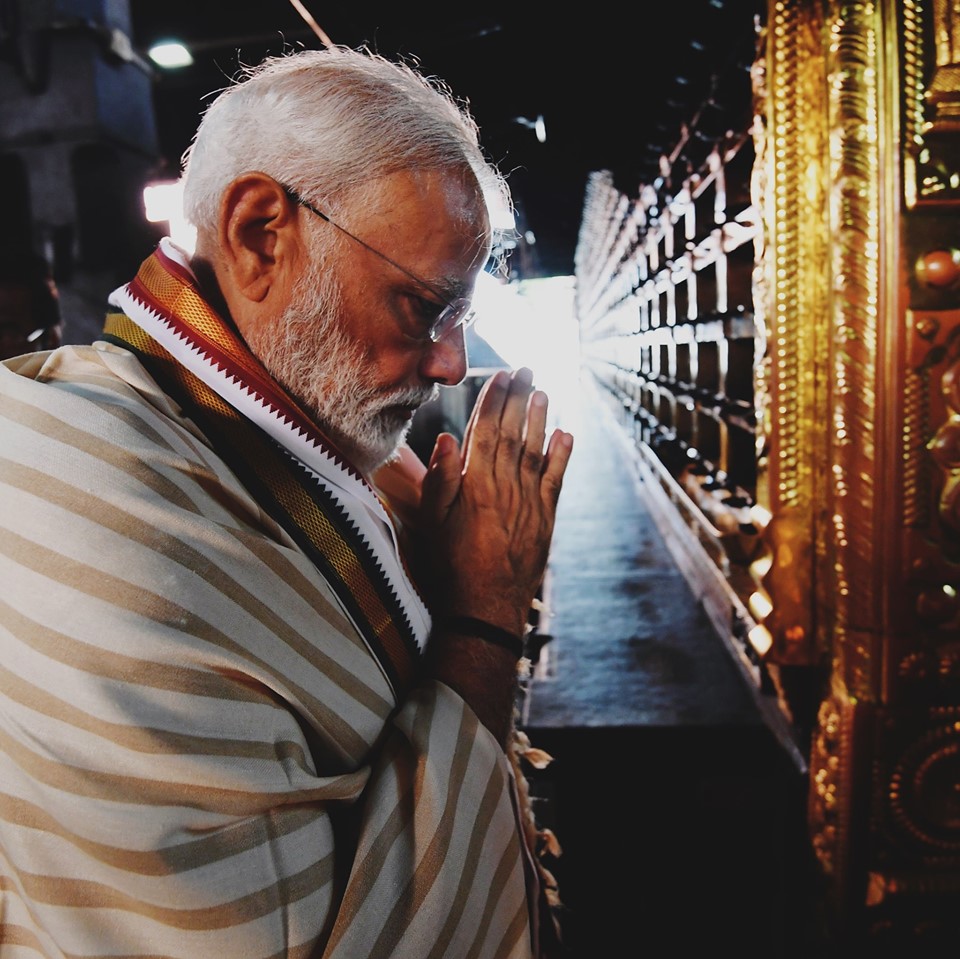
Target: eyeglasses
x=453, y=314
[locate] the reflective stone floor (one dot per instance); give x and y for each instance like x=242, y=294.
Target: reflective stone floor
x=630, y=646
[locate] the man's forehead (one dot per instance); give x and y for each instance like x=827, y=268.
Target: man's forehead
x=429, y=193
x=409, y=210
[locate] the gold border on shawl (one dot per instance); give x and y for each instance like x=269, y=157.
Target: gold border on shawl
x=178, y=298
x=265, y=461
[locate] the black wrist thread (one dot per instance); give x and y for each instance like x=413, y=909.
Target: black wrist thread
x=481, y=629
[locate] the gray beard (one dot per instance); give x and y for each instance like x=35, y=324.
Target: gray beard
x=309, y=354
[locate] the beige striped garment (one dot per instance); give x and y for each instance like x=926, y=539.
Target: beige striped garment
x=199, y=757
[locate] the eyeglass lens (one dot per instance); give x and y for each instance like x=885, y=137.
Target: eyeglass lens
x=457, y=313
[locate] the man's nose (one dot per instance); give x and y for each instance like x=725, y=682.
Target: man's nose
x=445, y=362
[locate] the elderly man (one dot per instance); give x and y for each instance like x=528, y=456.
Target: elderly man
x=258, y=662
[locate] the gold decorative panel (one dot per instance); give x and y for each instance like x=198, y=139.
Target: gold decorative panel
x=777, y=327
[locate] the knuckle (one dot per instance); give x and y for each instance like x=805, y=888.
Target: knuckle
x=532, y=460
x=510, y=442
x=484, y=444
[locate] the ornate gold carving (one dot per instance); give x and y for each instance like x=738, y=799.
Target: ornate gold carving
x=916, y=430
x=913, y=96
x=932, y=451
x=945, y=445
x=930, y=671
x=923, y=791
x=855, y=137
x=791, y=300
x=854, y=541
x=825, y=783
x=832, y=807
x=931, y=91
x=945, y=85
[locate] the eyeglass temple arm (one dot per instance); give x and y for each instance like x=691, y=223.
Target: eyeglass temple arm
x=383, y=256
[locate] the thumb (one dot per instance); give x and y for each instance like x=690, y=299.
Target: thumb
x=442, y=482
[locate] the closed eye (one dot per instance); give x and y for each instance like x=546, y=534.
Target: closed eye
x=425, y=311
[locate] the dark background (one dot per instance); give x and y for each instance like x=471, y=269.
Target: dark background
x=613, y=82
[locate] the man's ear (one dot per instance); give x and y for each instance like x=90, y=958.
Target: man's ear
x=258, y=234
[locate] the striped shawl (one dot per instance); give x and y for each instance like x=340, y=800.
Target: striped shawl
x=209, y=745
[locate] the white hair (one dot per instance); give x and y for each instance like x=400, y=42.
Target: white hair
x=325, y=122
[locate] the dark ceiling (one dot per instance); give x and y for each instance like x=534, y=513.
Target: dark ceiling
x=613, y=82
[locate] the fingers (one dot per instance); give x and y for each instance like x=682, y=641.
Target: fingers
x=496, y=429
x=489, y=504
x=510, y=440
x=558, y=456
x=532, y=455
x=442, y=481
x=507, y=431
x=495, y=382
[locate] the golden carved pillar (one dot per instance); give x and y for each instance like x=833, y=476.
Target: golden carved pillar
x=859, y=392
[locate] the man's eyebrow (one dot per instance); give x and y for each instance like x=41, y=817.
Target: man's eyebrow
x=444, y=286
x=452, y=289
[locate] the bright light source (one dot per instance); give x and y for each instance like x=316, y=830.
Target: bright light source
x=532, y=324
x=538, y=126
x=163, y=202
x=760, y=639
x=760, y=605
x=762, y=565
x=170, y=54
